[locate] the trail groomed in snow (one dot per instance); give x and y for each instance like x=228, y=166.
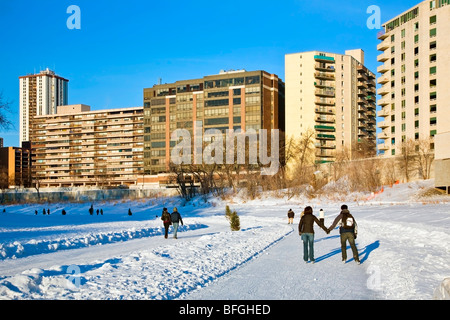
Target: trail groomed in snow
x=402, y=243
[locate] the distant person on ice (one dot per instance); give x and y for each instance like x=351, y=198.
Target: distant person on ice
x=175, y=217
x=165, y=217
x=322, y=217
x=290, y=216
x=306, y=231
x=348, y=231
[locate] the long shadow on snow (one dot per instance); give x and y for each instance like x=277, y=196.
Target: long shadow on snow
x=365, y=252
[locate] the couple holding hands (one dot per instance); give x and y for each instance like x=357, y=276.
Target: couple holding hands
x=348, y=232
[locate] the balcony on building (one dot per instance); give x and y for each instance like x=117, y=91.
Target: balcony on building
x=325, y=102
x=383, y=147
x=323, y=110
x=383, y=46
x=325, y=119
x=324, y=75
x=383, y=80
x=383, y=124
x=328, y=92
x=362, y=108
x=383, y=68
x=384, y=90
x=322, y=128
x=383, y=113
x=322, y=136
x=383, y=57
x=383, y=135
x=371, y=98
x=324, y=59
x=381, y=35
x=383, y=102
x=362, y=116
x=324, y=144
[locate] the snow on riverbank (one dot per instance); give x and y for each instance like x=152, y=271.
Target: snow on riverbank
x=403, y=245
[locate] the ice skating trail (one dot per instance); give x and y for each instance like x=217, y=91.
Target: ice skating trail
x=280, y=273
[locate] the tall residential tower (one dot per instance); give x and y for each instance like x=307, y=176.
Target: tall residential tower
x=415, y=91
x=40, y=94
x=334, y=96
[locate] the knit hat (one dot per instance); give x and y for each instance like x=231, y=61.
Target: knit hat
x=308, y=210
x=344, y=206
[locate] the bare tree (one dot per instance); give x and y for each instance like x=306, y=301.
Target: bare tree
x=425, y=157
x=4, y=108
x=390, y=172
x=407, y=158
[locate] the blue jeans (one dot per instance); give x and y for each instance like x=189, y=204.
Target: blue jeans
x=308, y=246
x=175, y=229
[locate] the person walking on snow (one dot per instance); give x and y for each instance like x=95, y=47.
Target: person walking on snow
x=165, y=217
x=306, y=231
x=176, y=219
x=348, y=231
x=322, y=217
x=290, y=216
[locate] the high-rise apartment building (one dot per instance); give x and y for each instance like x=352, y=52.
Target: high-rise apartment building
x=334, y=95
x=79, y=147
x=415, y=91
x=230, y=100
x=40, y=94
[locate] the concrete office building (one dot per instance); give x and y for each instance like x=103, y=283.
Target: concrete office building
x=415, y=97
x=333, y=95
x=77, y=147
x=230, y=100
x=40, y=94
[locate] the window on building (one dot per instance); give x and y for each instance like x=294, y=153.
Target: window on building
x=433, y=96
x=433, y=33
x=433, y=20
x=433, y=70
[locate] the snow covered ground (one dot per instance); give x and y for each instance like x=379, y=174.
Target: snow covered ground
x=403, y=243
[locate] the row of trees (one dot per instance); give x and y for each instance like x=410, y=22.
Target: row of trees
x=356, y=168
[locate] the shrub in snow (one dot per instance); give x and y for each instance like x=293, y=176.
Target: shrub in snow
x=233, y=218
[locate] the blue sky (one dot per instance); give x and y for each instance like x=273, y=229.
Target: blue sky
x=125, y=46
